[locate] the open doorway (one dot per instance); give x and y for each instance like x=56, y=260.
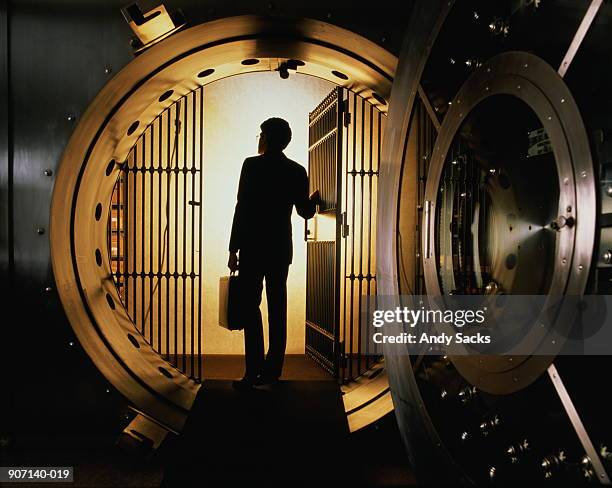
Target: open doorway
x=172, y=212
x=145, y=131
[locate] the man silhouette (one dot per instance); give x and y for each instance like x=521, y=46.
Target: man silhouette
x=270, y=185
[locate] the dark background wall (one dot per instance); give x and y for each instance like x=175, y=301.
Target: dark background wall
x=54, y=57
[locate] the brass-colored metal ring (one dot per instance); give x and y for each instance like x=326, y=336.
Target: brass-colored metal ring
x=102, y=140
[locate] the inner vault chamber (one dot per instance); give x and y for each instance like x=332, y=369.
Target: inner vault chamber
x=475, y=92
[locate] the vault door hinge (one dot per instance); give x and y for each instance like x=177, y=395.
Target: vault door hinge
x=346, y=118
x=152, y=26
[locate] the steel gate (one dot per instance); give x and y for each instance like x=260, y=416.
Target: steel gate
x=155, y=234
x=322, y=253
x=345, y=136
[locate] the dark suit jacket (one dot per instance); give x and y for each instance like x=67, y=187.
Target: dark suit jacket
x=270, y=185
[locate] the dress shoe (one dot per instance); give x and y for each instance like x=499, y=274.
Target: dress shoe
x=269, y=380
x=246, y=383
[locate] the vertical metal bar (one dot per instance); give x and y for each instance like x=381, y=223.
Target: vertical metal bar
x=133, y=233
x=370, y=230
x=184, y=275
x=151, y=275
x=360, y=278
x=192, y=242
x=142, y=235
x=337, y=249
x=126, y=266
x=200, y=373
x=166, y=236
x=177, y=122
x=352, y=237
x=160, y=233
x=345, y=240
x=117, y=235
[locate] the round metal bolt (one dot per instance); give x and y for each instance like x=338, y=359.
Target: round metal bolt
x=40, y=231
x=383, y=40
x=564, y=261
x=71, y=343
x=70, y=118
x=569, y=208
x=583, y=174
x=491, y=288
x=607, y=257
x=48, y=289
x=108, y=70
x=580, y=267
x=609, y=191
x=48, y=172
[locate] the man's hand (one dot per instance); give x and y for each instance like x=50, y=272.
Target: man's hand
x=315, y=197
x=232, y=263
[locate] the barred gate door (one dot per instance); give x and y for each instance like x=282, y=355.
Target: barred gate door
x=345, y=143
x=345, y=137
x=155, y=234
x=322, y=233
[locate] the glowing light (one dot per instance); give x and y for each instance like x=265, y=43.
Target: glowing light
x=233, y=110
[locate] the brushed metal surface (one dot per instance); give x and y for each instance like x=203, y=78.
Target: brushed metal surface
x=534, y=81
x=414, y=421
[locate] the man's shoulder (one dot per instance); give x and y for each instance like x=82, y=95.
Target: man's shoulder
x=250, y=160
x=292, y=166
x=295, y=166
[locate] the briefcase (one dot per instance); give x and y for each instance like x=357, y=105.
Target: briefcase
x=231, y=304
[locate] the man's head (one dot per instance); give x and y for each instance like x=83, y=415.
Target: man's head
x=275, y=135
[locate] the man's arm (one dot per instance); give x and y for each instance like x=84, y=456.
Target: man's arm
x=237, y=224
x=305, y=205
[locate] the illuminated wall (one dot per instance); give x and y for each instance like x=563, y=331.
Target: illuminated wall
x=233, y=110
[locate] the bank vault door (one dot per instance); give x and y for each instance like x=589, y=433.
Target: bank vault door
x=345, y=133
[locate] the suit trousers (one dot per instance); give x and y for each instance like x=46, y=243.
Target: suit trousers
x=253, y=272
